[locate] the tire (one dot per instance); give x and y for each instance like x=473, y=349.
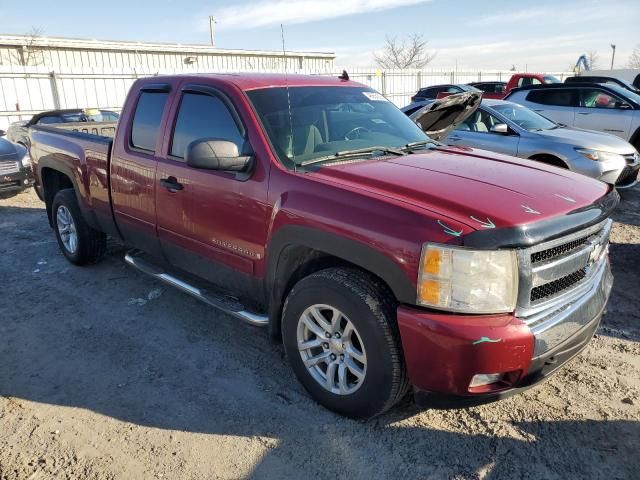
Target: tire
x=366, y=304
x=90, y=245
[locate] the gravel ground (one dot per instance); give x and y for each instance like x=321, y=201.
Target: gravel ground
x=106, y=374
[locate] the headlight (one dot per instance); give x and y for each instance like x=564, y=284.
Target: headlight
x=598, y=155
x=26, y=160
x=469, y=281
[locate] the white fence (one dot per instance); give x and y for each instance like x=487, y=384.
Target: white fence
x=33, y=89
x=400, y=85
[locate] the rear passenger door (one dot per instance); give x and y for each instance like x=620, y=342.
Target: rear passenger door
x=557, y=104
x=212, y=224
x=133, y=167
x=603, y=111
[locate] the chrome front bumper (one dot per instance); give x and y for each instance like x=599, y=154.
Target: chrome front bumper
x=551, y=328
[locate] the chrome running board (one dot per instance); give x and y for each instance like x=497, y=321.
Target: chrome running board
x=229, y=306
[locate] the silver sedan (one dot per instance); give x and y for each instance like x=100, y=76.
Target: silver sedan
x=513, y=129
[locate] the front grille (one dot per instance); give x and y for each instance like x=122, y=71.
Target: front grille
x=9, y=167
x=560, y=250
x=557, y=268
x=628, y=176
x=553, y=288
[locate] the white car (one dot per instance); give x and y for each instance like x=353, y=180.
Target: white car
x=592, y=106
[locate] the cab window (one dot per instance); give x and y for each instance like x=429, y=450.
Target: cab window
x=146, y=120
x=203, y=116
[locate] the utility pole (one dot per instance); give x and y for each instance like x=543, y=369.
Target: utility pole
x=613, y=54
x=212, y=29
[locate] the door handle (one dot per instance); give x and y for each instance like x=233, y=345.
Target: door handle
x=171, y=184
x=455, y=138
x=584, y=113
x=538, y=109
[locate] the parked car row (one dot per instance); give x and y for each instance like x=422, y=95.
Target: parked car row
x=15, y=164
x=571, y=125
x=509, y=128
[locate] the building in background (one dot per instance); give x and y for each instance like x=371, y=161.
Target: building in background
x=41, y=73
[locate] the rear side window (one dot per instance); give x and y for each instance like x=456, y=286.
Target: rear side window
x=203, y=116
x=560, y=98
x=146, y=120
x=49, y=120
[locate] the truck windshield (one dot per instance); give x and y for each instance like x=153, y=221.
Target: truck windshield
x=328, y=120
x=524, y=117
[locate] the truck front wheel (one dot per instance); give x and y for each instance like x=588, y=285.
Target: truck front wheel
x=80, y=243
x=341, y=338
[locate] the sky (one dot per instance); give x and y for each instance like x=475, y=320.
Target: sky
x=544, y=35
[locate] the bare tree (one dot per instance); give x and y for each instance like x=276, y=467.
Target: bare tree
x=593, y=58
x=634, y=59
x=407, y=53
x=29, y=53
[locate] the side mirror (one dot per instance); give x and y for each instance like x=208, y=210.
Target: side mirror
x=501, y=128
x=2, y=133
x=217, y=154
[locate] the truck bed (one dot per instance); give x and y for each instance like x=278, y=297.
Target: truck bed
x=76, y=150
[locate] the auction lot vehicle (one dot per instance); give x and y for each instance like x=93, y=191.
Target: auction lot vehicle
x=512, y=129
x=493, y=90
x=499, y=88
x=315, y=207
x=593, y=106
x=15, y=169
x=629, y=75
x=18, y=132
x=602, y=79
x=440, y=91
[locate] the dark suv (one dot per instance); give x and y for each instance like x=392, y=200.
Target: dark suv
x=431, y=93
x=15, y=169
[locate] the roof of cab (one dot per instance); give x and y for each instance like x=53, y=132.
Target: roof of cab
x=253, y=81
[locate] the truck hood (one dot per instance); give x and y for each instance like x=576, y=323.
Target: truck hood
x=438, y=118
x=476, y=188
x=588, y=139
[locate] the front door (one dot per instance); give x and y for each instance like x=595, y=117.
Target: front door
x=476, y=132
x=210, y=223
x=600, y=110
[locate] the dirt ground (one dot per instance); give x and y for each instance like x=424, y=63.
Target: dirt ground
x=106, y=374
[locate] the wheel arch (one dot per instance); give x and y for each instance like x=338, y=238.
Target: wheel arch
x=295, y=252
x=550, y=159
x=635, y=139
x=55, y=177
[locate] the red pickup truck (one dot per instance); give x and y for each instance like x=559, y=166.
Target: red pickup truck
x=518, y=80
x=313, y=206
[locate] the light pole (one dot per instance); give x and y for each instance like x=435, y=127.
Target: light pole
x=212, y=29
x=613, y=54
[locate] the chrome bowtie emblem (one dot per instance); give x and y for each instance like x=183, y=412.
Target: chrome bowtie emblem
x=596, y=253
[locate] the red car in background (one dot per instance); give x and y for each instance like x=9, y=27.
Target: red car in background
x=492, y=89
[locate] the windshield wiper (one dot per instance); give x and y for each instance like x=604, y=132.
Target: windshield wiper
x=409, y=147
x=353, y=153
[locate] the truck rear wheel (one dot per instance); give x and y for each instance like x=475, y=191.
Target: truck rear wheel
x=80, y=243
x=342, y=340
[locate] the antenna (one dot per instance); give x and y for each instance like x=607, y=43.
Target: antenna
x=286, y=82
